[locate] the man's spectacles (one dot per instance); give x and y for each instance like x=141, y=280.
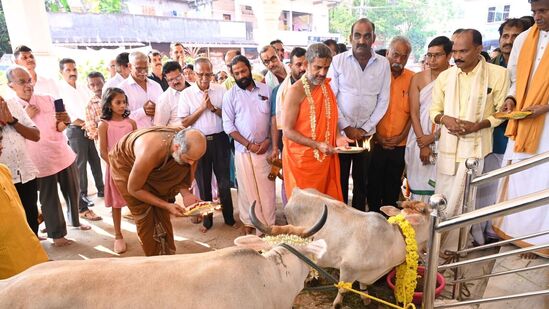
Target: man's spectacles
x=22, y=82
x=202, y=75
x=434, y=56
x=273, y=59
x=178, y=78
x=141, y=70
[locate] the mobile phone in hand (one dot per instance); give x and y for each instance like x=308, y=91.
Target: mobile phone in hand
x=59, y=106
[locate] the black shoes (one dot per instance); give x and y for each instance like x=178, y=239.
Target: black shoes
x=100, y=193
x=85, y=200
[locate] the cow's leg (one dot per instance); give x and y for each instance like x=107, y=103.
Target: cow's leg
x=345, y=275
x=364, y=289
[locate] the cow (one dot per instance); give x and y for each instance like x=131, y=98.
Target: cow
x=235, y=277
x=362, y=245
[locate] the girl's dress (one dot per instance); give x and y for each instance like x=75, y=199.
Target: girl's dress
x=115, y=131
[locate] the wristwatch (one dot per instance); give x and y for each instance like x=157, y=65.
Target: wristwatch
x=13, y=122
x=214, y=109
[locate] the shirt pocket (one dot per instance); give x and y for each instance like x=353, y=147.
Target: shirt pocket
x=264, y=106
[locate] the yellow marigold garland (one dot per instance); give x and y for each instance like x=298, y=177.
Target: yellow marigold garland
x=406, y=273
x=312, y=114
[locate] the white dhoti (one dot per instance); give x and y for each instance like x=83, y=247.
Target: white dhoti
x=519, y=184
x=453, y=186
x=420, y=177
x=252, y=171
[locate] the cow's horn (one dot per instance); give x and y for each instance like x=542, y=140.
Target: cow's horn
x=258, y=224
x=318, y=225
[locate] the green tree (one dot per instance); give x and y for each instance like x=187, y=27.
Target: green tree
x=5, y=45
x=110, y=6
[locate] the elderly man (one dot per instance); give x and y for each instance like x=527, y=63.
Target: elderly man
x=155, y=60
x=141, y=91
x=528, y=65
x=276, y=71
x=168, y=102
x=54, y=159
x=246, y=118
x=465, y=97
x=419, y=155
x=360, y=79
x=279, y=47
x=387, y=160
x=20, y=247
x=18, y=127
x=24, y=57
x=149, y=167
x=200, y=108
x=310, y=129
x=122, y=71
x=76, y=96
x=177, y=53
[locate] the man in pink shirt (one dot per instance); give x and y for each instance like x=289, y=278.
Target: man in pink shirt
x=55, y=160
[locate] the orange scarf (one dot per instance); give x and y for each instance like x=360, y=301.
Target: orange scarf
x=527, y=132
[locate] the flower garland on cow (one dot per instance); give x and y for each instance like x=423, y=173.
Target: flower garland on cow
x=406, y=273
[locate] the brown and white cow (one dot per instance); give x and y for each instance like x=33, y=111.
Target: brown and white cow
x=233, y=277
x=363, y=245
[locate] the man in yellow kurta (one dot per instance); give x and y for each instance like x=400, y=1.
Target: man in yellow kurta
x=310, y=129
x=464, y=99
x=19, y=246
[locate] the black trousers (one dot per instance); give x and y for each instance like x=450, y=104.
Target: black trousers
x=85, y=153
x=51, y=204
x=216, y=158
x=360, y=162
x=28, y=193
x=385, y=176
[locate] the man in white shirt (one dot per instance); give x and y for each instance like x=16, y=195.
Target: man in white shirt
x=141, y=91
x=42, y=85
x=276, y=71
x=76, y=97
x=200, y=108
x=361, y=81
x=166, y=113
x=122, y=71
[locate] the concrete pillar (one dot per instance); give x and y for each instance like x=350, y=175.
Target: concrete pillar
x=27, y=23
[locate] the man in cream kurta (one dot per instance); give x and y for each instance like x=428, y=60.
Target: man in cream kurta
x=532, y=47
x=464, y=99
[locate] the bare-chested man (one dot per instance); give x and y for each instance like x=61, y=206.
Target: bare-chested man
x=420, y=168
x=150, y=167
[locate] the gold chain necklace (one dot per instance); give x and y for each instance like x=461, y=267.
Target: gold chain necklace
x=312, y=114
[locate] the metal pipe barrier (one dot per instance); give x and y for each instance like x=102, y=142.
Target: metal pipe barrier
x=503, y=242
x=501, y=273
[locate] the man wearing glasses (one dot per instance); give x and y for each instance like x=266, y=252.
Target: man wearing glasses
x=200, y=108
x=142, y=92
x=166, y=109
x=276, y=72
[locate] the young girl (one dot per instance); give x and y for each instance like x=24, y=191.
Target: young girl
x=113, y=126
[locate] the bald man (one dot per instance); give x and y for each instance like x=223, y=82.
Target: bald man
x=230, y=82
x=150, y=167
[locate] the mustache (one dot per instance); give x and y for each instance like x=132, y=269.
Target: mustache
x=361, y=46
x=397, y=66
x=73, y=76
x=508, y=45
x=459, y=61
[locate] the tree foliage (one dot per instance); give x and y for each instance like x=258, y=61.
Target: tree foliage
x=5, y=45
x=414, y=19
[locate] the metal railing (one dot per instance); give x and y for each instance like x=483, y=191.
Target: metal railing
x=469, y=217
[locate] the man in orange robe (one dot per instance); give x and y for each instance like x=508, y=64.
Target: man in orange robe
x=310, y=129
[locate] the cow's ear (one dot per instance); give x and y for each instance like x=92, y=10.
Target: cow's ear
x=317, y=248
x=252, y=242
x=416, y=219
x=390, y=211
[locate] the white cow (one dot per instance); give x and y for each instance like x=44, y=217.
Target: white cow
x=363, y=245
x=233, y=277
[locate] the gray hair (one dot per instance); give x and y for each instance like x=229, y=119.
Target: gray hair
x=203, y=60
x=137, y=55
x=180, y=139
x=318, y=50
x=401, y=39
x=265, y=48
x=12, y=69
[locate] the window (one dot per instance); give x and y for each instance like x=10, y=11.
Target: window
x=226, y=16
x=283, y=21
x=506, y=9
x=491, y=14
x=302, y=21
x=246, y=9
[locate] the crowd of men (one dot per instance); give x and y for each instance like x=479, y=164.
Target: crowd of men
x=312, y=115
